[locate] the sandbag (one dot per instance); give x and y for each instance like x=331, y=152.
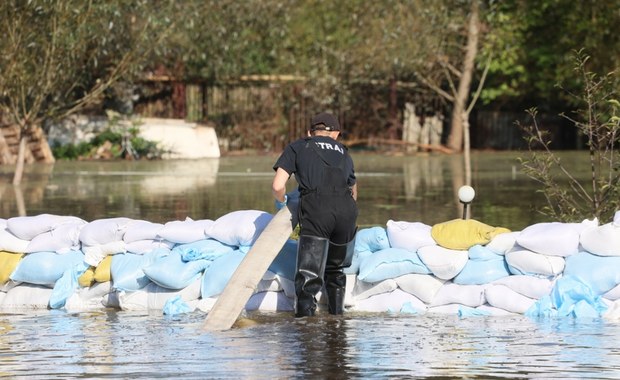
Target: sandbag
x=502, y=297
x=94, y=254
x=185, y=231
x=219, y=273
x=602, y=240
x=239, y=228
x=599, y=273
x=363, y=290
x=392, y=302
x=367, y=241
x=103, y=231
x=553, y=239
x=61, y=238
x=272, y=282
x=154, y=297
x=443, y=262
x=137, y=230
x=461, y=234
x=173, y=273
x=469, y=295
x=142, y=247
x=11, y=243
x=26, y=296
x=390, y=263
x=8, y=263
x=45, y=268
x=524, y=261
x=285, y=262
x=530, y=286
x=127, y=269
x=483, y=266
x=270, y=301
x=90, y=298
x=409, y=235
x=423, y=286
x=28, y=227
x=205, y=249
x=502, y=243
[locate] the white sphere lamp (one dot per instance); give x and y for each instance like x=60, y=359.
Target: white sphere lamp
x=466, y=195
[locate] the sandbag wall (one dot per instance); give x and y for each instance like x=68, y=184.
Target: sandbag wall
x=459, y=267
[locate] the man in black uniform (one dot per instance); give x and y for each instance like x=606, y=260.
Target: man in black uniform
x=327, y=212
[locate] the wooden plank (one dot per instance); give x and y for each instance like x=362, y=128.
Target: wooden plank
x=250, y=271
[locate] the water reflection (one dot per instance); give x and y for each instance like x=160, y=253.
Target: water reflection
x=410, y=188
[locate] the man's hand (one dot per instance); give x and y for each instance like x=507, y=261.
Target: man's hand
x=280, y=205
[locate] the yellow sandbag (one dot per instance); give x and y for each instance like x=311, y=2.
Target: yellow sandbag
x=103, y=272
x=8, y=263
x=462, y=234
x=87, y=278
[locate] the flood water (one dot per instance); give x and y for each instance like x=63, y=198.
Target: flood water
x=115, y=344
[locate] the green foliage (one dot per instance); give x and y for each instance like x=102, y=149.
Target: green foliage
x=570, y=198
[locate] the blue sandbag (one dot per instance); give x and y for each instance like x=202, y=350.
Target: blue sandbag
x=66, y=285
x=466, y=311
x=207, y=249
x=484, y=266
x=172, y=272
x=285, y=262
x=219, y=273
x=45, y=268
x=127, y=269
x=599, y=273
x=176, y=305
x=569, y=297
x=371, y=239
x=391, y=263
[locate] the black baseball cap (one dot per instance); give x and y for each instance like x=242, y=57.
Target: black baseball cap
x=327, y=119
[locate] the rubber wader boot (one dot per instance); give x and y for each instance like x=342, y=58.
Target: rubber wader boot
x=338, y=258
x=311, y=257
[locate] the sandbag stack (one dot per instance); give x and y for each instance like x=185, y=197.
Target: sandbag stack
x=462, y=267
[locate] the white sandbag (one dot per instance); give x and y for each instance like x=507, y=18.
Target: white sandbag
x=11, y=243
x=8, y=285
x=185, y=231
x=409, y=235
x=141, y=247
x=423, y=286
x=529, y=286
x=154, y=297
x=553, y=239
x=468, y=295
x=390, y=263
x=449, y=309
x=206, y=304
x=524, y=261
x=94, y=254
x=239, y=228
x=90, y=298
x=27, y=227
x=270, y=301
x=2, y=296
x=603, y=240
x=137, y=230
x=27, y=296
x=103, y=231
x=392, y=302
x=62, y=238
x=502, y=243
x=363, y=290
x=503, y=297
x=443, y=262
x=613, y=294
x=272, y=282
x=494, y=311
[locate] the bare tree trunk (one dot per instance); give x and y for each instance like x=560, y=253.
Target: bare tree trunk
x=455, y=139
x=21, y=154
